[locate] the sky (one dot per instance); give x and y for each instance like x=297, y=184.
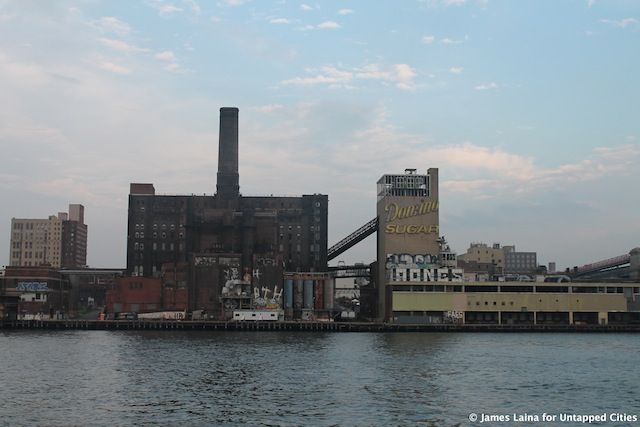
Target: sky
x=530, y=110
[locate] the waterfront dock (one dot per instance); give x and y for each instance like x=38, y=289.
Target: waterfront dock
x=186, y=325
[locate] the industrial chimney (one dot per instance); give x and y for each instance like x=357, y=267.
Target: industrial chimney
x=227, y=186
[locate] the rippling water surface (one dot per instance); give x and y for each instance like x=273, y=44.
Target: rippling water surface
x=297, y=378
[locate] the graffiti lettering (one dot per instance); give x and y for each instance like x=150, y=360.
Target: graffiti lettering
x=266, y=262
x=403, y=274
x=32, y=287
x=411, y=261
x=204, y=261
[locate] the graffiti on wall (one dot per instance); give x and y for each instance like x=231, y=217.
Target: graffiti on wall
x=419, y=268
x=453, y=316
x=444, y=274
x=32, y=287
x=411, y=261
x=236, y=283
x=204, y=261
x=267, y=273
x=265, y=262
x=267, y=298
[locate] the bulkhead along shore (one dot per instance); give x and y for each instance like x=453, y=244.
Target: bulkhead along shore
x=187, y=325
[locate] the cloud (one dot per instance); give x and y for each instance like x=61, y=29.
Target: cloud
x=451, y=41
x=455, y=70
x=268, y=109
x=121, y=46
x=279, y=21
x=327, y=75
x=305, y=7
x=623, y=23
x=446, y=3
x=215, y=19
x=428, y=39
x=174, y=67
x=401, y=75
x=404, y=76
x=195, y=7
x=345, y=12
x=590, y=3
x=165, y=55
x=328, y=25
x=6, y=17
x=507, y=173
x=172, y=63
x=472, y=170
x=486, y=86
x=234, y=3
x=114, y=68
x=164, y=8
x=114, y=25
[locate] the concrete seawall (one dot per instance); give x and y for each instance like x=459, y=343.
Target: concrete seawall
x=170, y=325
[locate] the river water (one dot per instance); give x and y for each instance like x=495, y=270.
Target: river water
x=181, y=378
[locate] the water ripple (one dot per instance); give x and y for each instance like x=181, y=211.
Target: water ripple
x=291, y=379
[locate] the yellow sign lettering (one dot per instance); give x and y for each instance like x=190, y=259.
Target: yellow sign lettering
x=401, y=212
x=411, y=229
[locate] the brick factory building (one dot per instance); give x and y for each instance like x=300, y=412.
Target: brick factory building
x=232, y=249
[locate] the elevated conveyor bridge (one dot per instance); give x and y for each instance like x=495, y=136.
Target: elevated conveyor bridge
x=353, y=239
x=616, y=267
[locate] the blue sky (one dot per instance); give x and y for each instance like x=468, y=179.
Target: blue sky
x=529, y=109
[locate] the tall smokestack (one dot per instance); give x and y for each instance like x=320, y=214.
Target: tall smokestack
x=227, y=186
